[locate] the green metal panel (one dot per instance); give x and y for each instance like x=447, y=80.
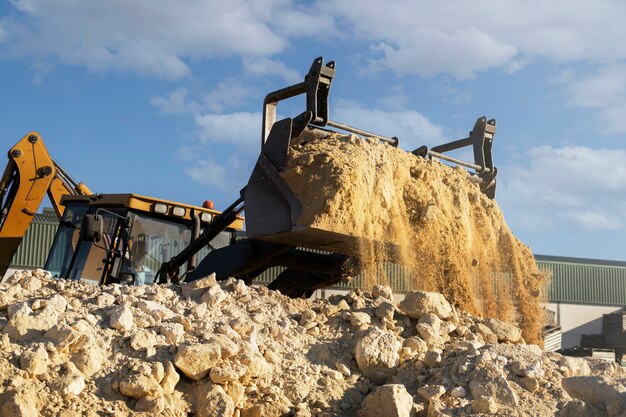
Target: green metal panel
x=585, y=281
x=34, y=248
x=573, y=280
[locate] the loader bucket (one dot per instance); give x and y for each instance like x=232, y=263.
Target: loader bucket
x=274, y=211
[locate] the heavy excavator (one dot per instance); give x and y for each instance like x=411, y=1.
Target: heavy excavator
x=98, y=235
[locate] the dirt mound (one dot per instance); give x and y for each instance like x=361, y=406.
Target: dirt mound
x=451, y=237
x=224, y=349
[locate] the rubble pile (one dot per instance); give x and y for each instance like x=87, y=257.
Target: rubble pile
x=211, y=348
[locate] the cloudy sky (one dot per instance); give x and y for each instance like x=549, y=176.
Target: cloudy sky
x=163, y=98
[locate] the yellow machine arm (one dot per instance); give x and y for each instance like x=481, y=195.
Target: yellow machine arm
x=30, y=174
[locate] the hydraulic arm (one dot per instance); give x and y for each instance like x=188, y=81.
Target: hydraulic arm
x=30, y=174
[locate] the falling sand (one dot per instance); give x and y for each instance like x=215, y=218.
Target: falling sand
x=446, y=234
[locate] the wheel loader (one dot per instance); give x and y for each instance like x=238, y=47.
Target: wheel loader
x=99, y=235
x=312, y=257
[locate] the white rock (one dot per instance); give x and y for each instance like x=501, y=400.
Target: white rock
x=382, y=291
x=212, y=401
x=596, y=390
x=143, y=340
x=196, y=360
x=226, y=371
x=121, y=318
x=139, y=386
x=173, y=332
x=484, y=405
x=505, y=332
x=429, y=392
x=419, y=303
x=492, y=386
x=155, y=309
x=195, y=289
x=213, y=296
x=391, y=400
x=18, y=404
x=170, y=378
x=575, y=366
x=458, y=392
x=377, y=355
x=35, y=361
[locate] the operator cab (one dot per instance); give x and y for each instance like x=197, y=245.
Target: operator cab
x=125, y=238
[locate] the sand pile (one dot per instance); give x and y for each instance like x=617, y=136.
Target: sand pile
x=451, y=237
x=203, y=349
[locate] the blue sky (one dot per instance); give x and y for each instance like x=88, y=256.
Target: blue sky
x=163, y=98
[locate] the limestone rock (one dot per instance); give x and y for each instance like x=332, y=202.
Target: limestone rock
x=195, y=289
x=226, y=371
x=213, y=296
x=377, y=355
x=35, y=361
x=574, y=366
x=173, y=332
x=143, y=340
x=419, y=303
x=358, y=319
x=138, y=386
x=196, y=360
x=68, y=384
x=121, y=318
x=228, y=348
x=484, y=405
x=155, y=309
x=170, y=378
x=212, y=401
x=18, y=404
x=416, y=344
x=493, y=386
x=382, y=291
x=89, y=362
x=595, y=390
x=504, y=331
x=385, y=310
x=488, y=336
x=429, y=392
x=432, y=358
x=458, y=392
x=391, y=400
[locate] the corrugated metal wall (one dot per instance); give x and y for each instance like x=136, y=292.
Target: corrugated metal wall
x=572, y=280
x=585, y=283
x=36, y=244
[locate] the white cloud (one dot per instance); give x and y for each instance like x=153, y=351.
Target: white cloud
x=146, y=37
x=208, y=172
x=605, y=91
x=412, y=128
x=567, y=188
x=462, y=38
x=160, y=37
x=242, y=129
x=227, y=175
x=229, y=93
x=260, y=67
x=462, y=53
x=175, y=103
